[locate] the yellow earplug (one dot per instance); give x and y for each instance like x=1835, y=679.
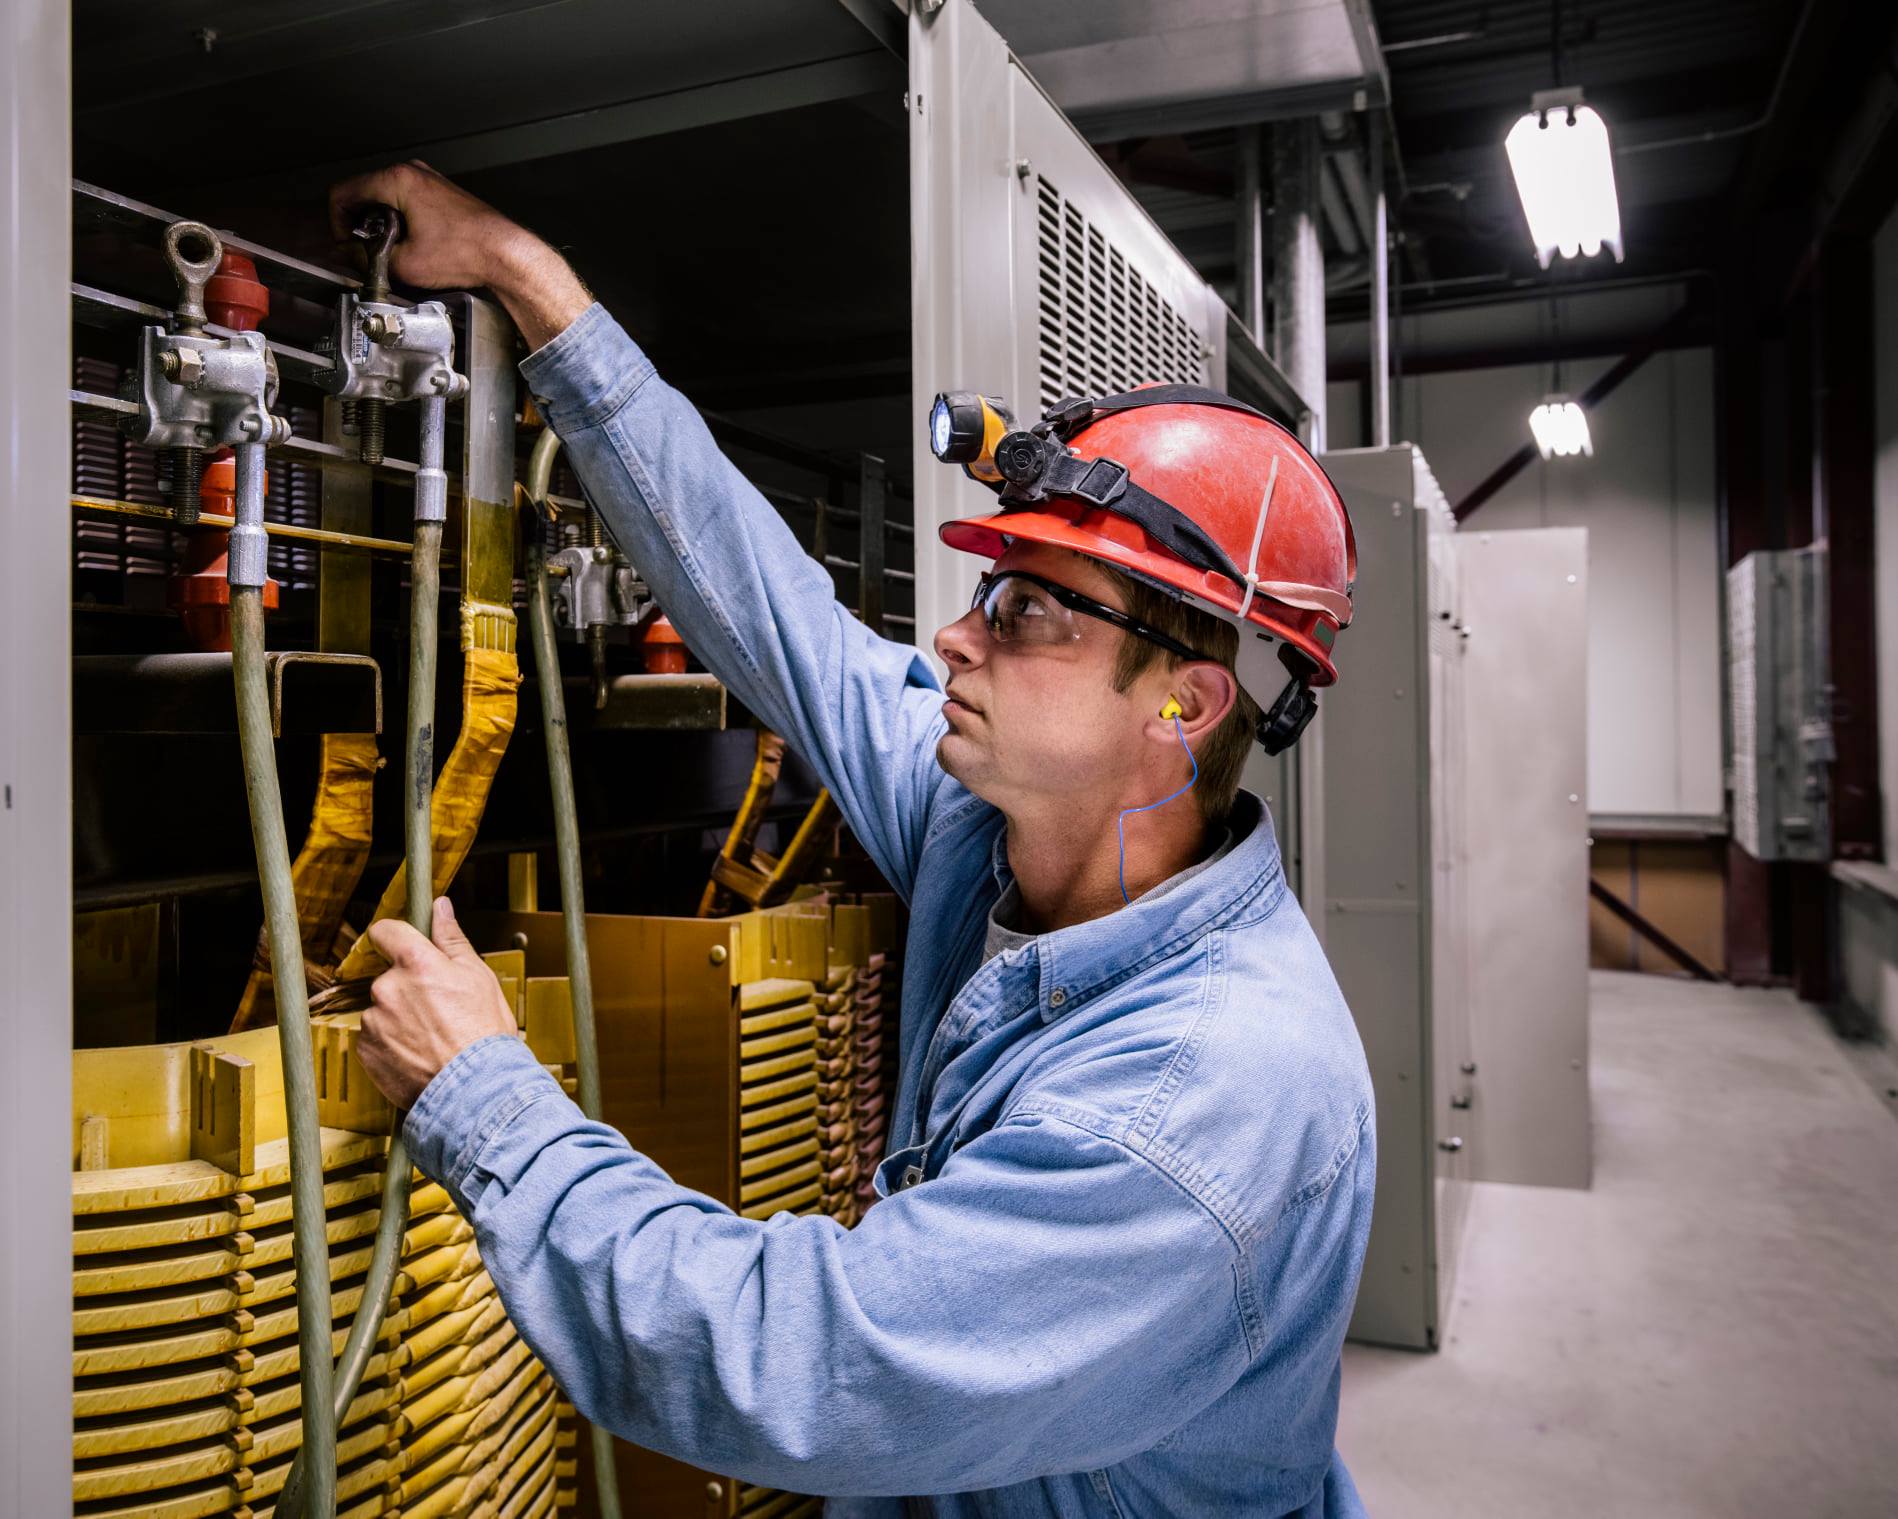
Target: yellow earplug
x=1172, y=707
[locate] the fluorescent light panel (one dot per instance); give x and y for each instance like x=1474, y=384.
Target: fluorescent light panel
x=1561, y=429
x=1565, y=173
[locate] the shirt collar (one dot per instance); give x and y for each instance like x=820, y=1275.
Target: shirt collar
x=1078, y=961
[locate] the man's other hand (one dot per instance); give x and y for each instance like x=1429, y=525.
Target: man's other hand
x=433, y=1001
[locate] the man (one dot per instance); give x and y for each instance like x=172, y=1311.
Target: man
x=1132, y=1153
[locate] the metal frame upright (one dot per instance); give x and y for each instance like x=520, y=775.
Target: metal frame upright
x=35, y=760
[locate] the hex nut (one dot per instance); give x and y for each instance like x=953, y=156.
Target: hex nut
x=183, y=366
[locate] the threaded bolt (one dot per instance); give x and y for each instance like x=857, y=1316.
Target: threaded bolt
x=369, y=430
x=596, y=646
x=596, y=530
x=187, y=472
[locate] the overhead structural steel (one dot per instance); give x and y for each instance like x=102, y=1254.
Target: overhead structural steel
x=703, y=105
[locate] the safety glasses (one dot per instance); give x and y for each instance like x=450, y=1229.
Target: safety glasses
x=1020, y=608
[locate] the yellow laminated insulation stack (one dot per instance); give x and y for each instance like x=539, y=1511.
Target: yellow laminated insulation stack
x=779, y=1166
x=769, y=1503
x=185, y=1350
x=836, y=1082
x=746, y=1056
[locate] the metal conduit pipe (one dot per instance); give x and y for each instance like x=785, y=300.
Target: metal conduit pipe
x=418, y=855
x=248, y=552
x=573, y=911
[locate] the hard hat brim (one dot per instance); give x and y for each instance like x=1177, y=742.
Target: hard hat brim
x=990, y=536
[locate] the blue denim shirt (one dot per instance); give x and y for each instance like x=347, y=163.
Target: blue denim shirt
x=1132, y=1168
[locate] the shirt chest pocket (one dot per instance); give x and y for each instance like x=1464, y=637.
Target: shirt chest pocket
x=901, y=1170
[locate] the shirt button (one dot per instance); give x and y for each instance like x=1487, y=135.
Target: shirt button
x=1058, y=997
x=912, y=1176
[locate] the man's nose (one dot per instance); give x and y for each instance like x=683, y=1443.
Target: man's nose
x=964, y=641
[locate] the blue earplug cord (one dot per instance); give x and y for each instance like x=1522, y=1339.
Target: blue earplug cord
x=1120, y=823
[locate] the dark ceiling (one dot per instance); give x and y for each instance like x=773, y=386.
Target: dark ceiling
x=1687, y=88
x=1677, y=73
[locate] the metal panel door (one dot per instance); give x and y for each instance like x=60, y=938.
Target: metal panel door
x=1035, y=274
x=1376, y=843
x=1455, y=1113
x=1525, y=704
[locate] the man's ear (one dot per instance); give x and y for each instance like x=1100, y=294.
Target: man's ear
x=1204, y=691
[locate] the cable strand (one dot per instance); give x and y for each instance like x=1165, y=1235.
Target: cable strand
x=1120, y=823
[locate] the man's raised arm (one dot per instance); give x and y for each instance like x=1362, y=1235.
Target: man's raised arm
x=751, y=604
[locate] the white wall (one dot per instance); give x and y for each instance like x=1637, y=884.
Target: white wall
x=1647, y=500
x=1885, y=518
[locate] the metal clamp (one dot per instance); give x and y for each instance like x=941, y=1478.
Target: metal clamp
x=205, y=392
x=382, y=351
x=595, y=587
x=385, y=352
x=194, y=390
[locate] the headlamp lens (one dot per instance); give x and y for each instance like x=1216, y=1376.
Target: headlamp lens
x=958, y=427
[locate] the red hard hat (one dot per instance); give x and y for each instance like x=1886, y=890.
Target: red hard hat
x=1251, y=498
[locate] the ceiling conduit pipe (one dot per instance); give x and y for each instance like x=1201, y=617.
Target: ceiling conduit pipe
x=573, y=911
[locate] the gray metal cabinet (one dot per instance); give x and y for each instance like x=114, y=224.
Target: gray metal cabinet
x=1394, y=902
x=1778, y=705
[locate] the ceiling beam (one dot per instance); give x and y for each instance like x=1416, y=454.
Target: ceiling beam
x=1286, y=104
x=704, y=105
x=887, y=22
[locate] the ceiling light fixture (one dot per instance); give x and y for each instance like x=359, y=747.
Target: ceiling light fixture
x=1565, y=174
x=1561, y=428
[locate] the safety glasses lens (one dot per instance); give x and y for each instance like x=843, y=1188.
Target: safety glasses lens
x=1019, y=611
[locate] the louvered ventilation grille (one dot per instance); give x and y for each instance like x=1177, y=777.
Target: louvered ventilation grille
x=1103, y=327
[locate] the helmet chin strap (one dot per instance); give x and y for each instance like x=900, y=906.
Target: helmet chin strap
x=1286, y=717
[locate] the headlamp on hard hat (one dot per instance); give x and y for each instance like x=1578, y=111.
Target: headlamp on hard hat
x=1037, y=470
x=964, y=428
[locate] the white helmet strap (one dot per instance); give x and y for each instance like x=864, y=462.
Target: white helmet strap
x=1258, y=537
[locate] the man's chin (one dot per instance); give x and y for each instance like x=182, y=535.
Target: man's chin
x=954, y=754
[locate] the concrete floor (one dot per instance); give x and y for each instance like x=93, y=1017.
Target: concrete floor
x=1712, y=1330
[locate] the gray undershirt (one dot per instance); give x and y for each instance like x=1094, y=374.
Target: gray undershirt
x=1007, y=909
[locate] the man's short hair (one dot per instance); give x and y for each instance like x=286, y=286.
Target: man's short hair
x=1222, y=753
